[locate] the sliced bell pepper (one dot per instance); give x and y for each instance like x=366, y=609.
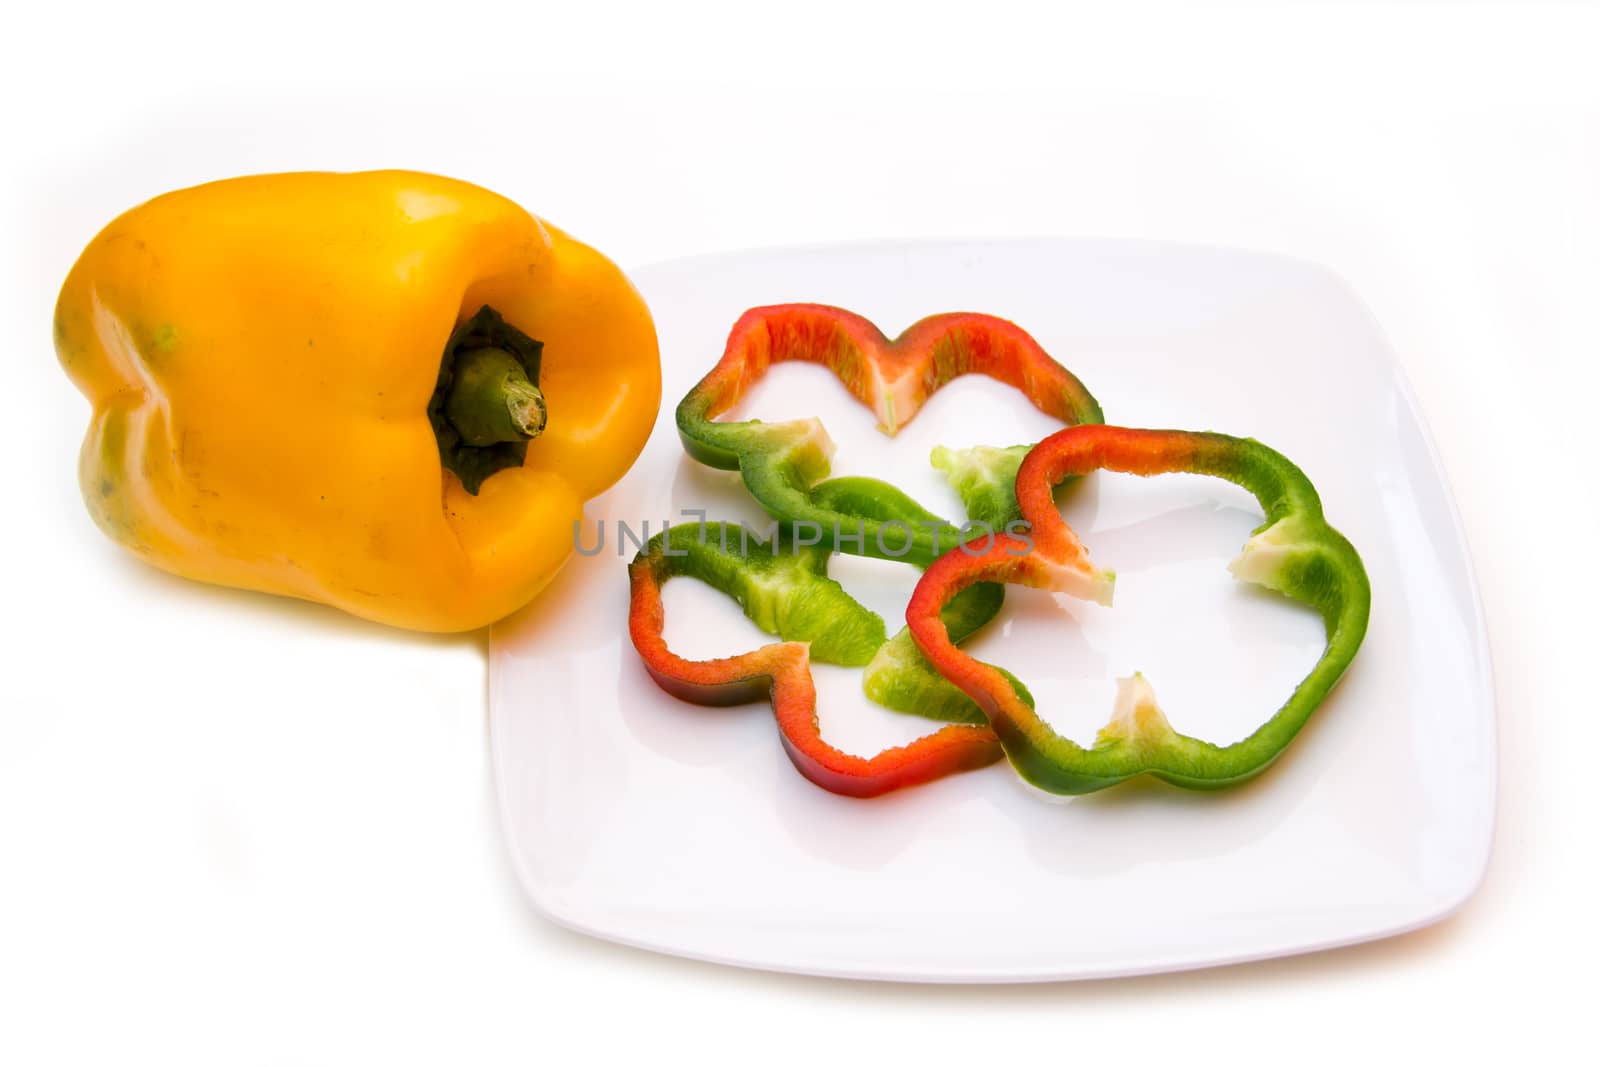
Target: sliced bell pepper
x=1294, y=552
x=899, y=677
x=781, y=463
x=390, y=392
x=784, y=588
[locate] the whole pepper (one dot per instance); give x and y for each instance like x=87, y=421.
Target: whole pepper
x=389, y=392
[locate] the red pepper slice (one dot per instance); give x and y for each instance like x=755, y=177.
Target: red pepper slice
x=782, y=462
x=785, y=589
x=1294, y=552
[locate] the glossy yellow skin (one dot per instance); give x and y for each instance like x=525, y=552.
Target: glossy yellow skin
x=260, y=352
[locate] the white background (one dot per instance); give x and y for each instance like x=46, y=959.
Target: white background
x=234, y=830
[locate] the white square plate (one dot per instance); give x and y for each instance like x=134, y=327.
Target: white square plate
x=634, y=817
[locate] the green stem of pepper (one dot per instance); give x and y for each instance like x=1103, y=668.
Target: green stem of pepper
x=491, y=399
x=486, y=405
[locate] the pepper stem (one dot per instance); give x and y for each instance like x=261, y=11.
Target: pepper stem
x=486, y=404
x=491, y=399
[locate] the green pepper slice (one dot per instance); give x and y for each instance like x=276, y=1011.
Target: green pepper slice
x=1294, y=552
x=784, y=588
x=781, y=463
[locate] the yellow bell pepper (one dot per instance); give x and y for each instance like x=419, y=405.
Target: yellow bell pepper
x=294, y=390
